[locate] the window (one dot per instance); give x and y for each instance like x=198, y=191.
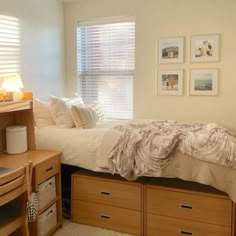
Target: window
x=9, y=46
x=105, y=65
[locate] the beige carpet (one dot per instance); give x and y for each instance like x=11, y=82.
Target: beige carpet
x=73, y=229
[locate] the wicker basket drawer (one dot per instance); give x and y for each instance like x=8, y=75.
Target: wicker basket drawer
x=109, y=217
x=189, y=206
x=47, y=220
x=46, y=192
x=125, y=195
x=168, y=226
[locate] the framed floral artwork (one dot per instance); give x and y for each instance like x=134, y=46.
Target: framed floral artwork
x=171, y=50
x=170, y=82
x=205, y=48
x=204, y=82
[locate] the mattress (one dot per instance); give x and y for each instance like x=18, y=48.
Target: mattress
x=85, y=148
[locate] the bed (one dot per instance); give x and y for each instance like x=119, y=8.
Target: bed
x=86, y=148
x=164, y=172
x=206, y=189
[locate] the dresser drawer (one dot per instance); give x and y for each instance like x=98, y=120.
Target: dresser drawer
x=109, y=217
x=46, y=169
x=189, y=206
x=167, y=226
x=125, y=195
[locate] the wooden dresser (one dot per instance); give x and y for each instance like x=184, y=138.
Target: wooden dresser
x=175, y=207
x=107, y=201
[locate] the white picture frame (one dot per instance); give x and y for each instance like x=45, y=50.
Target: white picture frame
x=171, y=50
x=205, y=48
x=203, y=82
x=170, y=82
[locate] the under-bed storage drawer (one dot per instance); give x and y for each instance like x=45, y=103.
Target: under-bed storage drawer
x=109, y=217
x=107, y=201
x=167, y=226
x=197, y=207
x=126, y=195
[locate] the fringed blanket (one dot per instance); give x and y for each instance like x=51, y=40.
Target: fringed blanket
x=146, y=147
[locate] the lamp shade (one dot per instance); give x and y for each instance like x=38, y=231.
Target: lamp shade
x=12, y=83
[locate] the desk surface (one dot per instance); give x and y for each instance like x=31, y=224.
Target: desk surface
x=4, y=170
x=17, y=160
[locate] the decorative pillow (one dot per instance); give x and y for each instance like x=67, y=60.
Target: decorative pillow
x=42, y=114
x=60, y=109
x=84, y=116
x=60, y=112
x=96, y=106
x=73, y=100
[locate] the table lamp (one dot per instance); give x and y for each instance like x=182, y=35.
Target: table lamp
x=12, y=85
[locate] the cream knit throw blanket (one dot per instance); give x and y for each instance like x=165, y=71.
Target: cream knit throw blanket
x=147, y=147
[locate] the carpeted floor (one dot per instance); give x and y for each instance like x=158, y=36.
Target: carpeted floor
x=73, y=229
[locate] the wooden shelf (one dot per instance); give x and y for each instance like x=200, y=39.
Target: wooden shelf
x=17, y=113
x=58, y=198
x=15, y=106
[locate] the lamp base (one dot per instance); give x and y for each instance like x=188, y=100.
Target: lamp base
x=13, y=96
x=18, y=95
x=9, y=97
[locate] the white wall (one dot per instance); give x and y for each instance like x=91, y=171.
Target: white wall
x=42, y=44
x=167, y=18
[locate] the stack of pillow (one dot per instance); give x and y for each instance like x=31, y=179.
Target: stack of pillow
x=67, y=113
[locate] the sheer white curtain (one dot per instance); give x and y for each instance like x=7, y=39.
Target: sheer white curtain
x=105, y=64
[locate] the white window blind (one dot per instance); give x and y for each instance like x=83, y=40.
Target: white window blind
x=9, y=46
x=105, y=64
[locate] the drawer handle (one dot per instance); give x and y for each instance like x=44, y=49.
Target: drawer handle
x=49, y=213
x=105, y=193
x=104, y=216
x=186, y=206
x=185, y=232
x=49, y=168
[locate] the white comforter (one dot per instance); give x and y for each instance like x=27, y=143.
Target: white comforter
x=85, y=148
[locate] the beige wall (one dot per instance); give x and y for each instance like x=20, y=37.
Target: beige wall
x=42, y=44
x=167, y=18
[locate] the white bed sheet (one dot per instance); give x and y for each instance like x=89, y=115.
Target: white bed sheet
x=79, y=147
x=82, y=147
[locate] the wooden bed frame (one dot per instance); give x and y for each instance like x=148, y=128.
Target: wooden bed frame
x=150, y=206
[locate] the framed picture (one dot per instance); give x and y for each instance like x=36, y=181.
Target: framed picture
x=170, y=82
x=205, y=48
x=204, y=82
x=171, y=50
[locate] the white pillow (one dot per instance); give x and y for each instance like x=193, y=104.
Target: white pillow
x=84, y=116
x=60, y=109
x=73, y=100
x=96, y=106
x=42, y=114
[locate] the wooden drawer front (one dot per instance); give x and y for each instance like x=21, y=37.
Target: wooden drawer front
x=189, y=206
x=47, y=169
x=109, y=217
x=105, y=192
x=167, y=226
